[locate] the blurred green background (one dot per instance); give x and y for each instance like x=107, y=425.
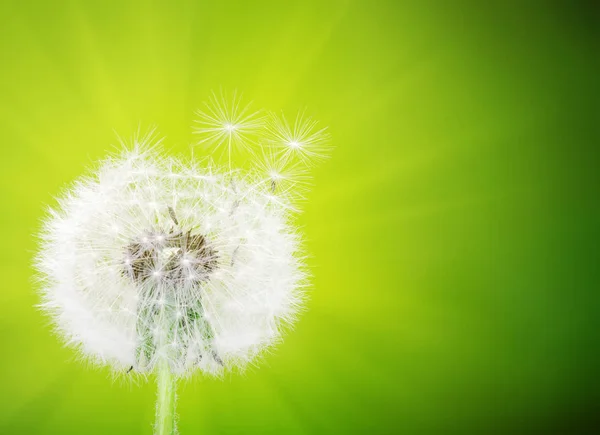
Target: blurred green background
x=453, y=235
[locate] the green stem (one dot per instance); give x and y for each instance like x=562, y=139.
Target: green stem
x=165, y=403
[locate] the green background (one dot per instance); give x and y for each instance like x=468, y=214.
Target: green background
x=453, y=235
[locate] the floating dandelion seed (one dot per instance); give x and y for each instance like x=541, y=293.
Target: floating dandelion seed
x=302, y=140
x=281, y=176
x=156, y=265
x=226, y=122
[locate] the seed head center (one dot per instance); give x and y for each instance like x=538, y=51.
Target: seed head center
x=170, y=257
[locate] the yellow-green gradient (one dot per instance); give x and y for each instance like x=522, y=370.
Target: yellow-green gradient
x=453, y=236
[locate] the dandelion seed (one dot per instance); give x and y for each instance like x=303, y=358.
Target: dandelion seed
x=279, y=176
x=301, y=141
x=225, y=122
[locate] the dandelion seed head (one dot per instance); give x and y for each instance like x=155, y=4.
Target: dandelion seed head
x=154, y=258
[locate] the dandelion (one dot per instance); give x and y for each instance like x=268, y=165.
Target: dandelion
x=152, y=264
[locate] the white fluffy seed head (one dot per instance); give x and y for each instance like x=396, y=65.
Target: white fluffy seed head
x=154, y=259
